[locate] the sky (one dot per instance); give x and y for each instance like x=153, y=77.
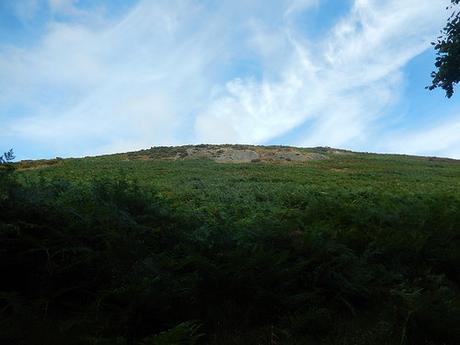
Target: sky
x=90, y=77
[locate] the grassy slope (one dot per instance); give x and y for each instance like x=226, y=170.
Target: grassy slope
x=354, y=249
x=204, y=181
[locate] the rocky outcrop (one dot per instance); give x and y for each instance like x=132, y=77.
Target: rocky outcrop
x=224, y=154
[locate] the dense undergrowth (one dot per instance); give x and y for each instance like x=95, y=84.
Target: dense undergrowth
x=112, y=260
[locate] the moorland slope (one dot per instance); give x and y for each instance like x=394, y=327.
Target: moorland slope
x=231, y=244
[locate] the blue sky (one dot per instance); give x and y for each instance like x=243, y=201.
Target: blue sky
x=88, y=77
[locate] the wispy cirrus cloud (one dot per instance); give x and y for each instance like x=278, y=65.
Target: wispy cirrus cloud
x=181, y=71
x=441, y=138
x=340, y=85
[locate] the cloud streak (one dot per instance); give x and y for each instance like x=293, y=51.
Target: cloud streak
x=340, y=86
x=181, y=71
x=440, y=139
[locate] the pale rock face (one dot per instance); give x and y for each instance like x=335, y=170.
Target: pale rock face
x=246, y=155
x=238, y=155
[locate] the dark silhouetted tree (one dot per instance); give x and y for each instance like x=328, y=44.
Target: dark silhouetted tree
x=447, y=46
x=7, y=157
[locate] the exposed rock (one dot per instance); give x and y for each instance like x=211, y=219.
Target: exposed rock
x=238, y=156
x=246, y=154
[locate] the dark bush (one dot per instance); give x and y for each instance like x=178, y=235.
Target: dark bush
x=110, y=262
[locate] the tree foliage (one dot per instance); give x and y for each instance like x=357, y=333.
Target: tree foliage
x=447, y=46
x=7, y=157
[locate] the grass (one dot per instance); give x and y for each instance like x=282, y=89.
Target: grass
x=139, y=248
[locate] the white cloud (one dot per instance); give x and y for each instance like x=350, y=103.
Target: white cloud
x=341, y=86
x=128, y=84
x=441, y=139
x=170, y=72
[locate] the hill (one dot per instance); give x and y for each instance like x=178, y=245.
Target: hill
x=231, y=244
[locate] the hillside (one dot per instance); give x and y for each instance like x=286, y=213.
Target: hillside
x=299, y=165
x=231, y=244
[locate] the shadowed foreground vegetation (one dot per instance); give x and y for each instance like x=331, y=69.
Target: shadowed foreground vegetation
x=353, y=249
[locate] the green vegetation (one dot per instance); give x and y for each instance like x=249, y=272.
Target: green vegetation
x=7, y=157
x=156, y=247
x=447, y=46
